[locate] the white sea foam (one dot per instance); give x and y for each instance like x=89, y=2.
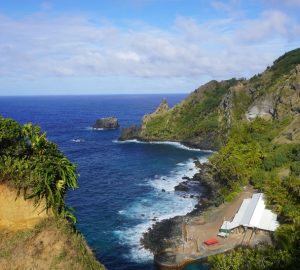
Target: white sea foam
x=175, y=144
x=92, y=128
x=169, y=182
x=78, y=140
x=156, y=206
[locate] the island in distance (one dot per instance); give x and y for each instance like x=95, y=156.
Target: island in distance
x=106, y=123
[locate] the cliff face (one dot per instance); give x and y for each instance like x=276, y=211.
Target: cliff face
x=194, y=121
x=17, y=213
x=205, y=117
x=31, y=239
x=162, y=109
x=36, y=228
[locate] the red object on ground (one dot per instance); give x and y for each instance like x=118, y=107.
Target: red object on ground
x=211, y=241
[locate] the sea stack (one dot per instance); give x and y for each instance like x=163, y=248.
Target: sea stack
x=106, y=123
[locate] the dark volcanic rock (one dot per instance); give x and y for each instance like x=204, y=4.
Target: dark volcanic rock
x=162, y=234
x=183, y=186
x=130, y=133
x=168, y=233
x=204, y=142
x=107, y=123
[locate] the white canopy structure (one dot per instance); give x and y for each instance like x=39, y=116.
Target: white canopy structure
x=252, y=214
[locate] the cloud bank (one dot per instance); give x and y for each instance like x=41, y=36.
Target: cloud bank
x=74, y=45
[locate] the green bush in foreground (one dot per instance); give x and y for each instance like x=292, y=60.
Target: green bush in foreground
x=259, y=258
x=35, y=166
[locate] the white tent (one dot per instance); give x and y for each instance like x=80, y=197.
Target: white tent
x=252, y=214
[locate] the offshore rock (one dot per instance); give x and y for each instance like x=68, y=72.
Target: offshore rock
x=107, y=123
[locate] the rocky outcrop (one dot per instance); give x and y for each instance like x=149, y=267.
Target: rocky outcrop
x=161, y=109
x=203, y=120
x=183, y=186
x=263, y=108
x=136, y=132
x=130, y=133
x=283, y=101
x=167, y=234
x=106, y=123
x=204, y=141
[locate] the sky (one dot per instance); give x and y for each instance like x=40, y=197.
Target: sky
x=72, y=47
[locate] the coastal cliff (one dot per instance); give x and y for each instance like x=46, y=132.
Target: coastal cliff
x=36, y=228
x=255, y=126
x=205, y=117
x=193, y=122
x=32, y=239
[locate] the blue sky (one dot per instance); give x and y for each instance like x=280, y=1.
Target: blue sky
x=138, y=46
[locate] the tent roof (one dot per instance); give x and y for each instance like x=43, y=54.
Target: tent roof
x=253, y=213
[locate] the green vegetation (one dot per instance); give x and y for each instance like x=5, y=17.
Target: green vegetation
x=259, y=258
x=39, y=171
x=262, y=153
x=196, y=117
x=251, y=157
x=284, y=64
x=35, y=166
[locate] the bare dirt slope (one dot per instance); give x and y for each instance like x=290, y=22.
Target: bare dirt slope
x=33, y=240
x=17, y=213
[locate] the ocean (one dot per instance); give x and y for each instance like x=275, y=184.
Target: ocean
x=121, y=184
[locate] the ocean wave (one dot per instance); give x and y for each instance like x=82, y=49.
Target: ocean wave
x=169, y=182
x=92, y=128
x=156, y=206
x=78, y=140
x=175, y=144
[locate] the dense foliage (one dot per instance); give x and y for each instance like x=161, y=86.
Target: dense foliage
x=251, y=157
x=285, y=63
x=35, y=166
x=262, y=153
x=259, y=258
x=195, y=117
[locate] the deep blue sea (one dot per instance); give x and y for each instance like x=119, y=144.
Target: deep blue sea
x=120, y=184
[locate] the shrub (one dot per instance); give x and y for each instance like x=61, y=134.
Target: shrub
x=295, y=168
x=33, y=164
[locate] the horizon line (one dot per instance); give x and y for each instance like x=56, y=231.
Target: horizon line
x=116, y=94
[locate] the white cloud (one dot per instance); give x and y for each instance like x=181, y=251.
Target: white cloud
x=66, y=45
x=284, y=2
x=271, y=23
x=228, y=6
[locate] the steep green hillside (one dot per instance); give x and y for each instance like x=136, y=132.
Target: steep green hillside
x=264, y=151
x=205, y=117
x=255, y=124
x=194, y=120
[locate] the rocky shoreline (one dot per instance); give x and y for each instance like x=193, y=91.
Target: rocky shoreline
x=167, y=233
x=134, y=133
